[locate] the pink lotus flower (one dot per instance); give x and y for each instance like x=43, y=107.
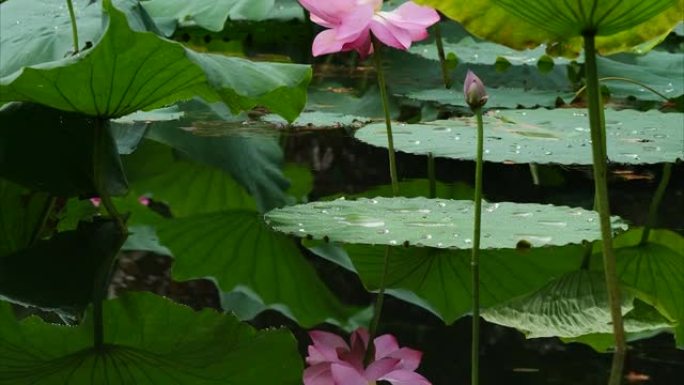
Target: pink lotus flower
x=333, y=362
x=352, y=21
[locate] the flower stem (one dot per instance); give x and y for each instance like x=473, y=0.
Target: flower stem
x=377, y=311
x=627, y=80
x=74, y=28
x=442, y=58
x=602, y=203
x=377, y=56
x=475, y=259
x=655, y=204
x=432, y=180
x=101, y=279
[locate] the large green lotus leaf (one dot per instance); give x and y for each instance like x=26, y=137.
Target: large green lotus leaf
x=149, y=341
x=573, y=305
x=208, y=14
x=58, y=273
x=471, y=50
x=440, y=280
x=436, y=223
x=658, y=69
x=186, y=187
x=128, y=71
x=242, y=254
x=618, y=24
x=559, y=136
x=52, y=151
x=39, y=31
x=21, y=213
x=254, y=161
x=655, y=270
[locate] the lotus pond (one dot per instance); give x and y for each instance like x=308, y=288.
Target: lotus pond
x=341, y=192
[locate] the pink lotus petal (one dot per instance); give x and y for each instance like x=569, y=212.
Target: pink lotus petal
x=326, y=42
x=325, y=347
x=405, y=377
x=328, y=13
x=355, y=23
x=415, y=16
x=389, y=34
x=410, y=358
x=319, y=374
x=385, y=345
x=346, y=375
x=359, y=343
x=96, y=201
x=380, y=368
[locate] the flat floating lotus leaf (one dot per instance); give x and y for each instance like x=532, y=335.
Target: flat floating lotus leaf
x=619, y=24
x=149, y=340
x=437, y=223
x=471, y=50
x=559, y=136
x=659, y=69
x=573, y=305
x=498, y=97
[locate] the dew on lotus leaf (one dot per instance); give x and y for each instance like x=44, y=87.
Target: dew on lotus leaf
x=441, y=204
x=440, y=244
x=383, y=231
x=492, y=207
x=660, y=136
x=393, y=242
x=374, y=201
x=548, y=153
x=554, y=223
x=486, y=151
x=430, y=224
x=631, y=156
x=411, y=211
x=468, y=241
x=416, y=142
x=578, y=114
x=427, y=236
x=522, y=214
x=361, y=220
x=581, y=129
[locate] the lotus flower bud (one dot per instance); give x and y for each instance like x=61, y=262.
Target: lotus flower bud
x=474, y=91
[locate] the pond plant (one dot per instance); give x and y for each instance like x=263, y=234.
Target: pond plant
x=134, y=129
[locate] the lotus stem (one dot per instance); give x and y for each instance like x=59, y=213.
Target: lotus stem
x=628, y=80
x=655, y=203
x=377, y=310
x=432, y=180
x=101, y=279
x=74, y=28
x=602, y=203
x=377, y=56
x=442, y=58
x=475, y=259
